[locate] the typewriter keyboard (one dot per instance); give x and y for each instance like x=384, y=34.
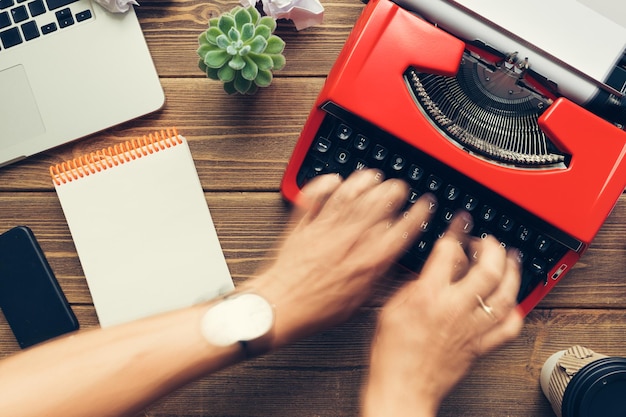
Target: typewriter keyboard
x=345, y=143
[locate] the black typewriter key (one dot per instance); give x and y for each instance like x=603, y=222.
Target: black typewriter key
x=483, y=233
x=470, y=202
x=397, y=163
x=538, y=266
x=318, y=166
x=452, y=192
x=488, y=213
x=433, y=183
x=506, y=224
x=360, y=165
x=446, y=215
x=6, y=3
x=415, y=172
x=542, y=244
x=361, y=142
x=523, y=233
x=322, y=145
x=344, y=132
x=342, y=156
x=380, y=153
x=414, y=195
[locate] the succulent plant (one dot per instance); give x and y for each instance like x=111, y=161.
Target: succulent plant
x=239, y=49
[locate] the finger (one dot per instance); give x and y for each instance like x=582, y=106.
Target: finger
x=401, y=233
x=447, y=260
x=502, y=300
x=352, y=188
x=384, y=202
x=314, y=195
x=504, y=297
x=505, y=330
x=487, y=271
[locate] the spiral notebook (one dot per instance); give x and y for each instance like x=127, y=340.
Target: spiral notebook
x=142, y=228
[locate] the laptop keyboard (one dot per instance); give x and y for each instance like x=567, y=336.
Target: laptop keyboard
x=345, y=143
x=25, y=20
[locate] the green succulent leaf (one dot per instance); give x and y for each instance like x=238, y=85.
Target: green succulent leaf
x=263, y=61
x=226, y=23
x=226, y=73
x=254, y=14
x=251, y=70
x=213, y=21
x=229, y=87
x=279, y=61
x=211, y=35
x=244, y=50
x=216, y=59
x=203, y=49
x=242, y=16
x=237, y=62
x=258, y=44
x=262, y=31
x=275, y=45
x=241, y=84
x=269, y=22
x=264, y=78
x=247, y=32
x=211, y=73
x=233, y=34
x=222, y=41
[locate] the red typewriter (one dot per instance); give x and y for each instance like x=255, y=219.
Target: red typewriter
x=457, y=102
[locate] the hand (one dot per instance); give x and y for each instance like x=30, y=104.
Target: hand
x=433, y=329
x=346, y=236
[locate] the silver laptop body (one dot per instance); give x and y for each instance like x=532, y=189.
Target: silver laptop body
x=68, y=73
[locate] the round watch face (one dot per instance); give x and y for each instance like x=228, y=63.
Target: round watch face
x=240, y=318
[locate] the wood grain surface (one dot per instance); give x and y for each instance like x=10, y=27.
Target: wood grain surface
x=241, y=146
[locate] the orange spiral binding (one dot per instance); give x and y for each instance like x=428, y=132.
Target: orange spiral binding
x=112, y=156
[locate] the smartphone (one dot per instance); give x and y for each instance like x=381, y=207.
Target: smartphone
x=30, y=296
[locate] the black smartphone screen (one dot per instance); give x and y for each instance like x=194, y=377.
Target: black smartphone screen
x=30, y=296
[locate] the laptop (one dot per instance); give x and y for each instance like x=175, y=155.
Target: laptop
x=69, y=68
x=516, y=115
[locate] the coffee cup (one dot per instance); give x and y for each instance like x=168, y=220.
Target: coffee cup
x=579, y=382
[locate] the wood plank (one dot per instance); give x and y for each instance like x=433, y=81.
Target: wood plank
x=248, y=224
x=322, y=375
x=172, y=29
x=238, y=143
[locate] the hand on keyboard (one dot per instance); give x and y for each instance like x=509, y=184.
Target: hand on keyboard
x=345, y=237
x=432, y=330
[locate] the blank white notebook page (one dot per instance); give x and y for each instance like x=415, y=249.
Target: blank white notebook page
x=145, y=236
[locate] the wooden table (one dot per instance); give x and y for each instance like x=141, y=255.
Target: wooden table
x=240, y=146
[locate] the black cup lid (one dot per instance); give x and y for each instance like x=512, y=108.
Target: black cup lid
x=598, y=389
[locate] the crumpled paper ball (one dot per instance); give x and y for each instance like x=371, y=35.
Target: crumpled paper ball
x=117, y=6
x=303, y=13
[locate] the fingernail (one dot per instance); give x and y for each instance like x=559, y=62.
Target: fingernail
x=468, y=221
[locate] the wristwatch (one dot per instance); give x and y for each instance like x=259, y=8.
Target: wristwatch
x=245, y=318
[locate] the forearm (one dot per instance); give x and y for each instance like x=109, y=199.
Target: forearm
x=111, y=372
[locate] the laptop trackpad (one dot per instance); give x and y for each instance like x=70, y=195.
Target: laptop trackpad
x=19, y=116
